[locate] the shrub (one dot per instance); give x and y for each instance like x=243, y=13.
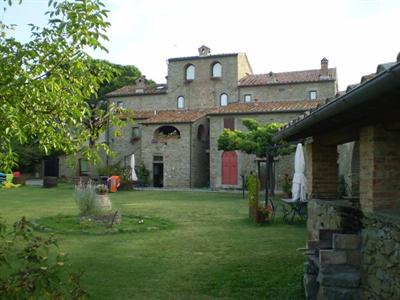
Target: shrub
x=85, y=198
x=31, y=267
x=142, y=174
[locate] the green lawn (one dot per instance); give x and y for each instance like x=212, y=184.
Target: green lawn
x=211, y=251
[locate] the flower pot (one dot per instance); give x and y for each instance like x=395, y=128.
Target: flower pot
x=103, y=202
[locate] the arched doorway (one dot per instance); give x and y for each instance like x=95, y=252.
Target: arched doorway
x=229, y=168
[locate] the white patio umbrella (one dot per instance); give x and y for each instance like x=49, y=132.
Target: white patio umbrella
x=299, y=183
x=134, y=177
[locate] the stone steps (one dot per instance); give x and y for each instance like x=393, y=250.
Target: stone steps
x=335, y=269
x=334, y=293
x=342, y=276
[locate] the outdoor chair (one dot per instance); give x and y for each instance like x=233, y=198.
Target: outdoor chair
x=294, y=208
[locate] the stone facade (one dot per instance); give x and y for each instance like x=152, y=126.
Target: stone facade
x=205, y=90
x=283, y=92
x=246, y=163
x=193, y=160
x=381, y=256
x=353, y=247
x=174, y=153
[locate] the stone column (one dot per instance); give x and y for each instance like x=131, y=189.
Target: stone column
x=380, y=168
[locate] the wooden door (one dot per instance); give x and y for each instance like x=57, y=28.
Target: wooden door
x=229, y=168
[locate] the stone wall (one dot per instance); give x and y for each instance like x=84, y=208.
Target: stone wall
x=200, y=170
x=175, y=153
x=333, y=215
x=203, y=91
x=122, y=146
x=294, y=91
x=146, y=102
x=381, y=256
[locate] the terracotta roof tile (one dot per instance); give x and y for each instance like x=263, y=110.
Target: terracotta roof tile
x=177, y=116
x=265, y=107
x=133, y=90
x=286, y=77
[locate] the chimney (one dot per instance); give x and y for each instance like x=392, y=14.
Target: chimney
x=272, y=77
x=323, y=74
x=140, y=84
x=204, y=51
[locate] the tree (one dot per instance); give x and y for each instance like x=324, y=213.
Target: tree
x=256, y=141
x=127, y=74
x=99, y=112
x=45, y=83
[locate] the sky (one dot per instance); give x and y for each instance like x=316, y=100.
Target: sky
x=276, y=35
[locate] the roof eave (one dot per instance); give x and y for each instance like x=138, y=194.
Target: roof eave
x=135, y=94
x=361, y=94
x=259, y=112
x=288, y=82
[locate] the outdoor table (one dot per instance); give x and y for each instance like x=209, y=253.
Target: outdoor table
x=294, y=208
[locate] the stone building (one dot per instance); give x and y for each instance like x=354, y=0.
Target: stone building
x=178, y=123
x=354, y=243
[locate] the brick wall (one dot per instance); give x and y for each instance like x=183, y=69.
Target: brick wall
x=321, y=170
x=380, y=169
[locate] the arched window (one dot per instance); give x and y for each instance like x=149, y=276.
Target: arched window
x=180, y=102
x=223, y=100
x=201, y=133
x=216, y=70
x=190, y=72
x=167, y=132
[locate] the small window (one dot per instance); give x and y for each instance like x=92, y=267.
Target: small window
x=312, y=95
x=229, y=123
x=216, y=70
x=190, y=72
x=135, y=132
x=247, y=98
x=120, y=104
x=223, y=100
x=157, y=158
x=181, y=102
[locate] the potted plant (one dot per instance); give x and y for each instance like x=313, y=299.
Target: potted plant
x=126, y=179
x=264, y=214
x=143, y=175
x=101, y=189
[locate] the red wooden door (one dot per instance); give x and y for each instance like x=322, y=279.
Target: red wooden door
x=229, y=167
